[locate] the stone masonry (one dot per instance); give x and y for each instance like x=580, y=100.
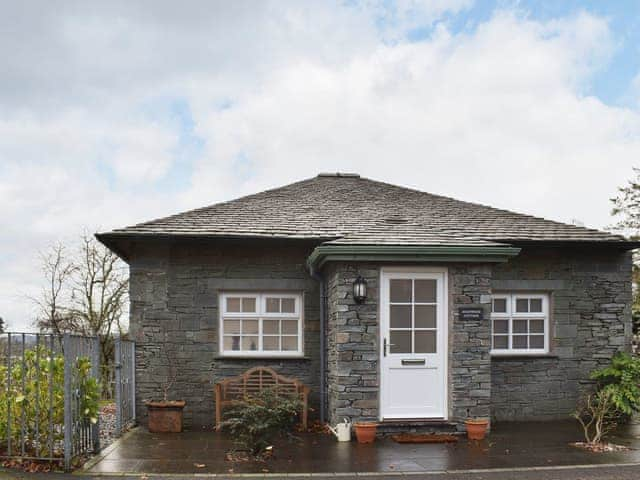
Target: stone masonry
x=590, y=321
x=174, y=308
x=469, y=342
x=174, y=318
x=353, y=343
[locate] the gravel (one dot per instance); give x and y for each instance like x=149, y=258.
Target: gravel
x=107, y=424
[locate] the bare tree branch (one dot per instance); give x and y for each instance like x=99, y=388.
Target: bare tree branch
x=84, y=293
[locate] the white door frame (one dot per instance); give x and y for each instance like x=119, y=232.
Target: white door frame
x=383, y=330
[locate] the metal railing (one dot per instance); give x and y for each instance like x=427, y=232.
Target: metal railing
x=81, y=436
x=125, y=383
x=42, y=382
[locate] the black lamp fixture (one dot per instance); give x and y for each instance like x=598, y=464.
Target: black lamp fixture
x=360, y=289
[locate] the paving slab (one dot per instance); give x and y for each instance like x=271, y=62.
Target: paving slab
x=510, y=445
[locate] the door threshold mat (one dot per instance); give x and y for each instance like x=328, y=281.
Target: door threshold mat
x=424, y=438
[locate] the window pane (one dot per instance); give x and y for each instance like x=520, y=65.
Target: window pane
x=425, y=316
x=289, y=344
x=273, y=305
x=231, y=343
x=535, y=305
x=249, y=326
x=271, y=326
x=500, y=305
x=400, y=316
x=290, y=327
x=501, y=326
x=250, y=343
x=520, y=341
x=400, y=342
x=288, y=305
x=425, y=291
x=536, y=326
x=520, y=326
x=536, y=341
x=233, y=304
x=400, y=290
x=271, y=343
x=231, y=326
x=425, y=342
x=500, y=342
x=248, y=305
x=522, y=305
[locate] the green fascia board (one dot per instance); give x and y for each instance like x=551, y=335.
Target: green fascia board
x=409, y=253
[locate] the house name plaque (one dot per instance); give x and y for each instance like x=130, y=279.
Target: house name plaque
x=469, y=313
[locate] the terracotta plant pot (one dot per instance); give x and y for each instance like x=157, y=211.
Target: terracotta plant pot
x=477, y=428
x=365, y=432
x=165, y=417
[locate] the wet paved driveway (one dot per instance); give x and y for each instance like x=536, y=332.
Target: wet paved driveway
x=511, y=445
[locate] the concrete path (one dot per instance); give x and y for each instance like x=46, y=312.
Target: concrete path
x=601, y=472
x=513, y=445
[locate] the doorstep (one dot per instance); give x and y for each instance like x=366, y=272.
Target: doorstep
x=417, y=425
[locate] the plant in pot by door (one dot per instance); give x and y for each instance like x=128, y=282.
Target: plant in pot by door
x=365, y=431
x=476, y=428
x=165, y=416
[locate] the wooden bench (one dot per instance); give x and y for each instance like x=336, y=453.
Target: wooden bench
x=255, y=380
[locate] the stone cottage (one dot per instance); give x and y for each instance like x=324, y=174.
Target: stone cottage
x=389, y=303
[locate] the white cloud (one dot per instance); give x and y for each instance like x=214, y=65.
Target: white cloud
x=278, y=91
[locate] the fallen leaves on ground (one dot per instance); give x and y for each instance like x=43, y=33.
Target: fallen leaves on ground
x=29, y=466
x=600, y=447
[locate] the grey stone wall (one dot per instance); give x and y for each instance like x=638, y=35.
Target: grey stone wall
x=469, y=342
x=352, y=344
x=590, y=321
x=174, y=307
x=174, y=295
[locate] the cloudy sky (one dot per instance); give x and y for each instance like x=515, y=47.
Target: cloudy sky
x=117, y=112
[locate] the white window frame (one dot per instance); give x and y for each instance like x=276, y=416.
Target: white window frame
x=512, y=315
x=261, y=314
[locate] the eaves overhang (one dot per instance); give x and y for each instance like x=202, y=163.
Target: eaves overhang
x=409, y=253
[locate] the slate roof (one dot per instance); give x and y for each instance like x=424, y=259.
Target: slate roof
x=348, y=209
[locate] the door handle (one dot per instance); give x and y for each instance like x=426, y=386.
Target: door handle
x=385, y=345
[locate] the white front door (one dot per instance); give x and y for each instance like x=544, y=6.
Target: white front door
x=413, y=336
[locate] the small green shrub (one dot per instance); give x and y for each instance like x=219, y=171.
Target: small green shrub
x=616, y=396
x=41, y=402
x=622, y=380
x=258, y=420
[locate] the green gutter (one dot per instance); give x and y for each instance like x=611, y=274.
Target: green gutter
x=409, y=253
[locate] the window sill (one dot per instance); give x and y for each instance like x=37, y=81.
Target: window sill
x=522, y=356
x=261, y=357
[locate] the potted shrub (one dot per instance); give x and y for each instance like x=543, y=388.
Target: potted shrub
x=365, y=431
x=476, y=428
x=165, y=416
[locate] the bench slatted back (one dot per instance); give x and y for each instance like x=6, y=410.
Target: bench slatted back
x=256, y=380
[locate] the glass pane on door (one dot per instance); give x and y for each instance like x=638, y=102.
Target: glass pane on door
x=400, y=291
x=400, y=316
x=425, y=342
x=400, y=342
x=413, y=313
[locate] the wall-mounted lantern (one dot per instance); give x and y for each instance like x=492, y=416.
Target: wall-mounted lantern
x=360, y=289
